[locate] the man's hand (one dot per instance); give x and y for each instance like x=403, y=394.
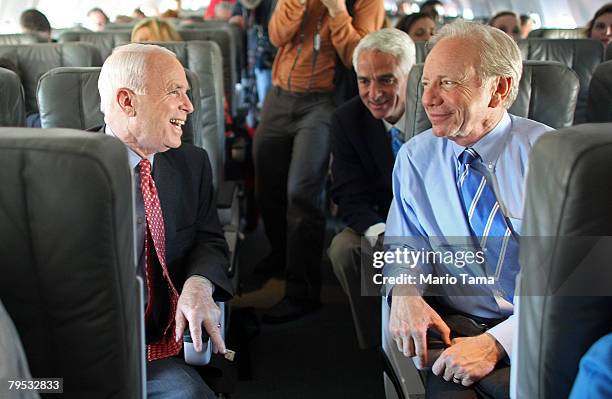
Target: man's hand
x=410, y=319
x=196, y=308
x=469, y=359
x=334, y=7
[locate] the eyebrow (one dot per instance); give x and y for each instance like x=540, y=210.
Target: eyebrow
x=174, y=86
x=459, y=78
x=383, y=76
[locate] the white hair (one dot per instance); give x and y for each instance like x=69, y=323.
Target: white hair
x=499, y=54
x=389, y=41
x=126, y=67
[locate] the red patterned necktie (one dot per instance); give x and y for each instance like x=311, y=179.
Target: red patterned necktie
x=155, y=235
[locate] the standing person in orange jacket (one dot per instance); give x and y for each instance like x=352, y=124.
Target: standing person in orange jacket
x=292, y=143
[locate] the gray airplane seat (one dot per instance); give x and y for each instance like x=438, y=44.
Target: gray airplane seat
x=204, y=59
x=105, y=42
x=548, y=92
x=421, y=52
x=608, y=55
x=564, y=303
x=216, y=25
x=582, y=55
x=14, y=366
x=556, y=33
x=68, y=260
x=12, y=100
x=34, y=60
x=228, y=44
x=19, y=38
x=599, y=103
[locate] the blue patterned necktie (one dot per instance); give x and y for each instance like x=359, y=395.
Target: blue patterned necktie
x=489, y=224
x=397, y=139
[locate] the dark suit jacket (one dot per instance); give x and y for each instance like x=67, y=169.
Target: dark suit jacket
x=362, y=166
x=195, y=244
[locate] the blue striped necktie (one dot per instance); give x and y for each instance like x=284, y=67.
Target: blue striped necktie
x=397, y=139
x=489, y=224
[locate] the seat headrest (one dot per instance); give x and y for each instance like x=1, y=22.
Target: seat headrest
x=19, y=38
x=582, y=55
x=12, y=100
x=548, y=92
x=555, y=33
x=599, y=102
x=104, y=41
x=35, y=59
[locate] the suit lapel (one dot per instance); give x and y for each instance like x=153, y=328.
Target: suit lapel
x=164, y=175
x=376, y=138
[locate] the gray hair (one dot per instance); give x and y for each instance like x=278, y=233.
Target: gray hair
x=389, y=41
x=499, y=54
x=126, y=67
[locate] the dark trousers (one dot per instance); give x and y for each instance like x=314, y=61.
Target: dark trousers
x=171, y=378
x=496, y=385
x=291, y=155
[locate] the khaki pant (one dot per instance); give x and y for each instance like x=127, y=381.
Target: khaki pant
x=346, y=255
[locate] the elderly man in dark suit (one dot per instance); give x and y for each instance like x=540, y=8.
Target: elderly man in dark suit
x=181, y=249
x=366, y=134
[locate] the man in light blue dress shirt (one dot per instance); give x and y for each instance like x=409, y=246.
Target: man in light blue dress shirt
x=469, y=80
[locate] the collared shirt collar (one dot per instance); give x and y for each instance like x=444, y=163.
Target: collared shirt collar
x=133, y=158
x=490, y=145
x=400, y=124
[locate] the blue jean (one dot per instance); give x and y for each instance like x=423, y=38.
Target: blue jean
x=171, y=378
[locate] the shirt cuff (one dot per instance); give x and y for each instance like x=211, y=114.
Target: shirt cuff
x=375, y=230
x=503, y=334
x=372, y=233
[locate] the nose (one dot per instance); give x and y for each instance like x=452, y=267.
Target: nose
x=186, y=105
x=375, y=90
x=609, y=30
x=430, y=96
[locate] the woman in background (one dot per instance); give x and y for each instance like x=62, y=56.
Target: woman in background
x=600, y=27
x=154, y=30
x=420, y=27
x=508, y=22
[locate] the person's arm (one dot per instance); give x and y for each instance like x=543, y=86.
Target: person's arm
x=347, y=31
x=206, y=271
x=285, y=21
x=351, y=190
x=410, y=316
x=209, y=255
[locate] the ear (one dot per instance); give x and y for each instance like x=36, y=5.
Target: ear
x=501, y=91
x=125, y=99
